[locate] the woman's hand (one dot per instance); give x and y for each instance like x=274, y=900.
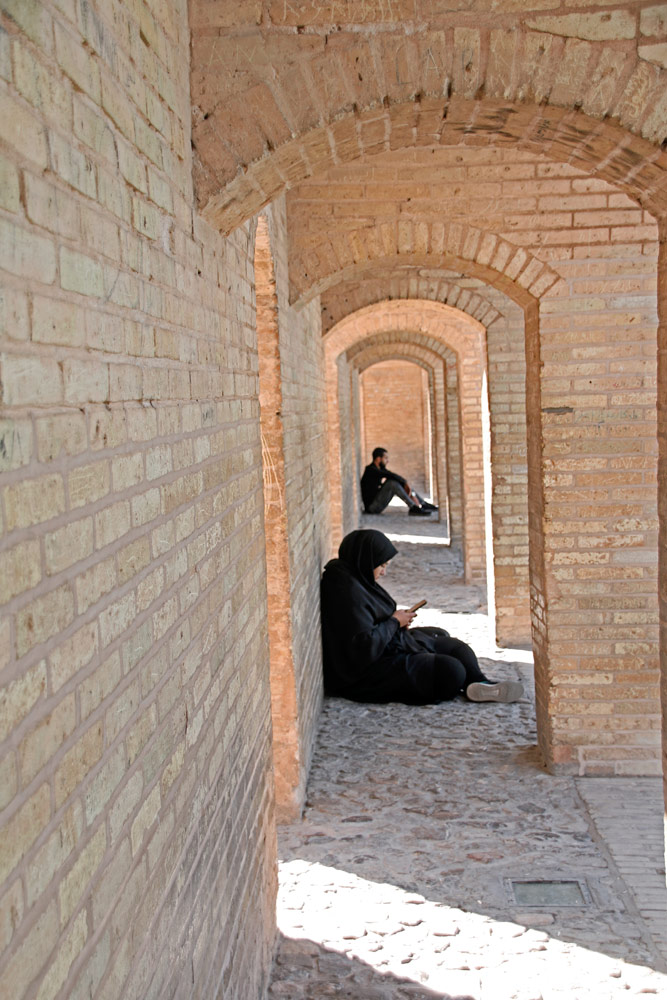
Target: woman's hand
x=404, y=618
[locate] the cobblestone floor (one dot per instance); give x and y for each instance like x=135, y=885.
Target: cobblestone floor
x=397, y=881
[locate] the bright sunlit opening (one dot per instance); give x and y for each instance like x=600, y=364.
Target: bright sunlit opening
x=402, y=537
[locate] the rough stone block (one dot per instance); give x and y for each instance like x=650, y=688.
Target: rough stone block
x=78, y=762
x=80, y=273
x=39, y=745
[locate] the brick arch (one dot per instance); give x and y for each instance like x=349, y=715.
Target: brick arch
x=439, y=362
x=438, y=327
x=409, y=282
x=231, y=192
x=367, y=252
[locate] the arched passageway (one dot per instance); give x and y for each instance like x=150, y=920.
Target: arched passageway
x=500, y=160
x=440, y=327
x=409, y=442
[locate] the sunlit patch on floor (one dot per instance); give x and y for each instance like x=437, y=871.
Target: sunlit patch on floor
x=447, y=949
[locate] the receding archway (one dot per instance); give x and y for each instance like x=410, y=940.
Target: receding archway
x=446, y=327
x=438, y=366
x=396, y=386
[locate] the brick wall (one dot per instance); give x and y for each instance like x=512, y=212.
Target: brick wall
x=292, y=442
x=662, y=491
x=599, y=512
x=509, y=475
x=138, y=849
x=306, y=492
x=395, y=403
x=136, y=778
x=345, y=459
x=274, y=84
x=583, y=254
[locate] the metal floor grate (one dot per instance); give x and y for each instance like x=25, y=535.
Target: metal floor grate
x=548, y=892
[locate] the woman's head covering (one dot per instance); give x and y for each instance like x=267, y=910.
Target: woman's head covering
x=362, y=551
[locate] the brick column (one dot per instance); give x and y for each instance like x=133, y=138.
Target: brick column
x=507, y=401
x=454, y=463
x=284, y=709
x=592, y=506
x=662, y=484
x=348, y=418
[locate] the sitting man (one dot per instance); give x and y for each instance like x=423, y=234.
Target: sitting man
x=379, y=485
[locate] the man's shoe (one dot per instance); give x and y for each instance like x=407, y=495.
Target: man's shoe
x=419, y=512
x=504, y=692
x=428, y=506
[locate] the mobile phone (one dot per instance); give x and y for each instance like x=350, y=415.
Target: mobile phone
x=415, y=607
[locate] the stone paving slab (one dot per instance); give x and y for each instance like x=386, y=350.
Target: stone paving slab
x=396, y=882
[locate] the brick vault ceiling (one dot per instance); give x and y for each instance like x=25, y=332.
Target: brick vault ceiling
x=284, y=89
x=374, y=227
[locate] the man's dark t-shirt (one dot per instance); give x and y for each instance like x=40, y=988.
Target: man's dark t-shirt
x=371, y=481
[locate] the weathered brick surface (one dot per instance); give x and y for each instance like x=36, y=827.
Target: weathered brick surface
x=137, y=789
x=415, y=73
x=662, y=494
x=293, y=438
x=391, y=390
x=502, y=161
x=606, y=279
x=448, y=329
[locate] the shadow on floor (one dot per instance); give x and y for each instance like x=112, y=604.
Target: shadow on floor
x=306, y=971
x=418, y=819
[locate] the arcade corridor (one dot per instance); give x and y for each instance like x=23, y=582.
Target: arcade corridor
x=222, y=224
x=395, y=886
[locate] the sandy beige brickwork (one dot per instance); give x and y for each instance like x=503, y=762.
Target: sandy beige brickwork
x=388, y=389
x=437, y=364
x=138, y=845
x=284, y=711
x=599, y=516
x=584, y=88
x=662, y=486
x=322, y=83
x=501, y=161
x=558, y=235
x=462, y=335
x=506, y=377
x=301, y=418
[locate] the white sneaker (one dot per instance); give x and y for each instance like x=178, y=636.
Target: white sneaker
x=501, y=691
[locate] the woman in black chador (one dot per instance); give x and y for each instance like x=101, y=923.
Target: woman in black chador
x=371, y=654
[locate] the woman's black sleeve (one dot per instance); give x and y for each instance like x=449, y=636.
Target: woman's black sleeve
x=367, y=644
x=350, y=622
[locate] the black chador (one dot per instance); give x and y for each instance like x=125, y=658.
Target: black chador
x=368, y=656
